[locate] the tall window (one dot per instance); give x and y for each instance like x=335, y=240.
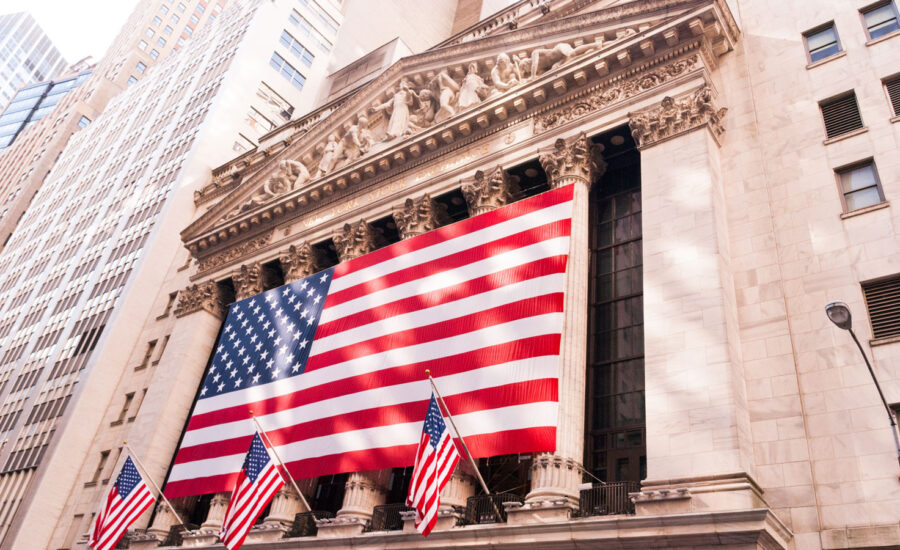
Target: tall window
x=860, y=186
x=880, y=19
x=296, y=48
x=822, y=42
x=291, y=74
x=615, y=443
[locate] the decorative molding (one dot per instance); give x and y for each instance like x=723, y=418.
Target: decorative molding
x=568, y=161
x=355, y=240
x=488, y=192
x=228, y=255
x=676, y=116
x=202, y=296
x=300, y=261
x=420, y=215
x=247, y=281
x=615, y=92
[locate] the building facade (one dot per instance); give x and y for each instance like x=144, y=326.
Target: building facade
x=26, y=54
x=733, y=163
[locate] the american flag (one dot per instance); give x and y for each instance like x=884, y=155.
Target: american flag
x=127, y=500
x=435, y=460
x=333, y=365
x=257, y=483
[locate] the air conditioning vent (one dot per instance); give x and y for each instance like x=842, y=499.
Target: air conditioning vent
x=883, y=301
x=841, y=115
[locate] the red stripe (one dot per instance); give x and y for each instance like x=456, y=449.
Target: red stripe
x=522, y=309
x=480, y=285
x=561, y=228
x=536, y=346
x=508, y=212
x=520, y=393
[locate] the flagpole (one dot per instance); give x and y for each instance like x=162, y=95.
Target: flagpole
x=463, y=441
x=281, y=462
x=155, y=486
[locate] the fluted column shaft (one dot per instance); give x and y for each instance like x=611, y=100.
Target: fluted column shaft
x=217, y=508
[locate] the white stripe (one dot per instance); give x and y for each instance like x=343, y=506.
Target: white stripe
x=254, y=501
x=561, y=211
x=536, y=368
x=123, y=514
x=499, y=262
x=549, y=323
x=532, y=415
x=539, y=286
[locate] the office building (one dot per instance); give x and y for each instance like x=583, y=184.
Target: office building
x=27, y=55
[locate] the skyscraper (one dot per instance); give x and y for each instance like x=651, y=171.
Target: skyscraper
x=26, y=54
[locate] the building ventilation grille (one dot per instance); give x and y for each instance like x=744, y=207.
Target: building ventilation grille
x=893, y=90
x=841, y=115
x=883, y=301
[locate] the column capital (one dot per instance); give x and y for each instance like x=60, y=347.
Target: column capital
x=300, y=261
x=355, y=240
x=202, y=296
x=572, y=160
x=488, y=191
x=247, y=281
x=419, y=215
x=674, y=116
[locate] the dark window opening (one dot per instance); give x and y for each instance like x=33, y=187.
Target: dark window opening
x=330, y=493
x=841, y=115
x=201, y=509
x=272, y=275
x=327, y=253
x=399, y=485
x=226, y=291
x=455, y=204
x=506, y=474
x=386, y=229
x=529, y=178
x=883, y=302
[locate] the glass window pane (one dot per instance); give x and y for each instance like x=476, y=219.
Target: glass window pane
x=858, y=178
x=862, y=198
x=821, y=39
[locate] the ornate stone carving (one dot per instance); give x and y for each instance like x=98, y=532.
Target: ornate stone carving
x=203, y=296
x=300, y=261
x=420, y=215
x=291, y=175
x=244, y=249
x=247, y=281
x=617, y=91
x=576, y=159
x=488, y=191
x=356, y=239
x=675, y=116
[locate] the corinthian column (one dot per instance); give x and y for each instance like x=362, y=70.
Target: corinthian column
x=216, y=514
x=488, y=191
x=300, y=261
x=555, y=476
x=420, y=215
x=247, y=281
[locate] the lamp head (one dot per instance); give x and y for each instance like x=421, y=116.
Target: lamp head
x=839, y=314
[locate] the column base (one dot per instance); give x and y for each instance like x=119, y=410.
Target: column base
x=345, y=526
x=539, y=511
x=205, y=536
x=266, y=531
x=736, y=491
x=144, y=541
x=447, y=519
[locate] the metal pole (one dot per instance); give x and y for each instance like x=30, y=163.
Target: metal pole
x=881, y=394
x=463, y=441
x=281, y=463
x=155, y=486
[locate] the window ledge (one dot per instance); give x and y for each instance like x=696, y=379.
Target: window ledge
x=820, y=62
x=856, y=132
x=883, y=38
x=116, y=423
x=163, y=316
x=154, y=363
x=895, y=118
x=90, y=484
x=865, y=210
x=131, y=418
x=140, y=367
x=884, y=341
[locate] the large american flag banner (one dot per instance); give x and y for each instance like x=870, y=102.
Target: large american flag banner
x=333, y=365
x=126, y=501
x=436, y=458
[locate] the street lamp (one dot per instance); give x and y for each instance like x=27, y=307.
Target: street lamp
x=839, y=314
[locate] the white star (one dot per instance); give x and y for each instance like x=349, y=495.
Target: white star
x=270, y=363
x=253, y=338
x=216, y=377
x=253, y=303
x=296, y=334
x=256, y=310
x=203, y=391
x=225, y=356
x=310, y=321
x=275, y=373
x=304, y=284
x=246, y=359
x=241, y=352
x=270, y=298
x=317, y=299
x=237, y=383
x=240, y=315
x=287, y=290
x=291, y=299
x=298, y=305
x=255, y=378
x=266, y=325
x=227, y=328
x=284, y=349
x=323, y=278
x=212, y=368
x=219, y=349
x=304, y=313
x=272, y=333
x=251, y=368
x=232, y=373
x=295, y=367
x=310, y=292
x=228, y=365
x=221, y=386
x=259, y=345
x=303, y=343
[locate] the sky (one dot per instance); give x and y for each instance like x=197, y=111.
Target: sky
x=78, y=28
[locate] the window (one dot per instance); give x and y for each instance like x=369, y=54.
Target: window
x=180, y=41
x=880, y=19
x=129, y=397
x=892, y=86
x=882, y=301
x=308, y=31
x=162, y=348
x=194, y=19
x=104, y=456
x=154, y=54
x=151, y=345
x=149, y=32
x=181, y=7
x=171, y=302
x=161, y=42
x=83, y=121
x=174, y=18
x=188, y=30
x=287, y=71
x=164, y=9
x=168, y=29
x=860, y=186
x=822, y=42
x=140, y=67
x=142, y=45
x=200, y=8
x=841, y=115
x=157, y=20
x=296, y=48
x=131, y=80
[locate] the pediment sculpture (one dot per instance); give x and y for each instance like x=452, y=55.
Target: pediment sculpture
x=291, y=174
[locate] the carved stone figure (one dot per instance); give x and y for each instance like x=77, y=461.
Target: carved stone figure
x=473, y=89
x=300, y=261
x=357, y=140
x=247, y=281
x=488, y=191
x=445, y=89
x=420, y=215
x=398, y=109
x=330, y=155
x=505, y=74
x=424, y=115
x=296, y=172
x=523, y=65
x=355, y=240
x=545, y=59
x=577, y=158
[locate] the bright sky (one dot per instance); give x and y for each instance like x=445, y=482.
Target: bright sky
x=78, y=28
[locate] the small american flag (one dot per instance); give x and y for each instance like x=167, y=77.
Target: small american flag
x=333, y=365
x=257, y=483
x=436, y=459
x=127, y=500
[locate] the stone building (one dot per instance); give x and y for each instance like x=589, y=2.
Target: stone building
x=733, y=163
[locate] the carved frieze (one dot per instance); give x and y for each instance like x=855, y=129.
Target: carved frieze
x=420, y=215
x=300, y=261
x=615, y=92
x=202, y=296
x=675, y=116
x=228, y=255
x=488, y=192
x=355, y=240
x=291, y=174
x=572, y=160
x=247, y=281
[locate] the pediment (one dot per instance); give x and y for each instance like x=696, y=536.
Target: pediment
x=427, y=101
